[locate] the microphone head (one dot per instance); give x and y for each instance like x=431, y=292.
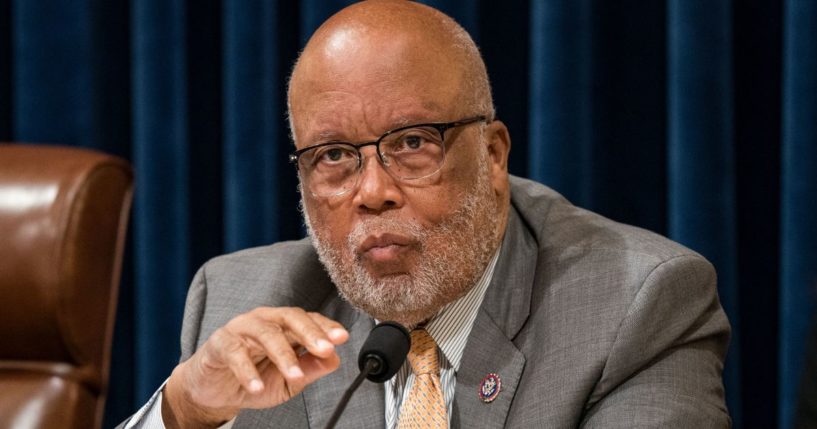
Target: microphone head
x=387, y=344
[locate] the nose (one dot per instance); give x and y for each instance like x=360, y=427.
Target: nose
x=377, y=190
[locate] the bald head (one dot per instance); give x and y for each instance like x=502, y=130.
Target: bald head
x=383, y=44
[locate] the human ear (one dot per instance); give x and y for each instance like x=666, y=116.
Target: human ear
x=498, y=140
x=499, y=145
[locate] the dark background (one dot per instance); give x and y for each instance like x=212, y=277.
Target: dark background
x=692, y=118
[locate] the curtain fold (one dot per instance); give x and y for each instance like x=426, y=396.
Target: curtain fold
x=799, y=196
x=51, y=77
x=560, y=105
x=695, y=119
x=701, y=173
x=251, y=107
x=161, y=210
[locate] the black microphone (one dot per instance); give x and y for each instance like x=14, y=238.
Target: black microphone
x=381, y=356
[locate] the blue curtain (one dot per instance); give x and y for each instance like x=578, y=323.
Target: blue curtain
x=798, y=253
x=693, y=118
x=700, y=148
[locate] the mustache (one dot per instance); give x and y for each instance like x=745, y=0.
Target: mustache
x=377, y=225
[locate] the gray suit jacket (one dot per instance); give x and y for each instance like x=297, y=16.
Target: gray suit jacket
x=588, y=323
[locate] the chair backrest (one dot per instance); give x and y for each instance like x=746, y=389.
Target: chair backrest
x=63, y=221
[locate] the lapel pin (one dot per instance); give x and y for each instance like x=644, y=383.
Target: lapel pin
x=490, y=387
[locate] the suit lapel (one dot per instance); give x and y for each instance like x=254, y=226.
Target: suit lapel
x=367, y=406
x=490, y=349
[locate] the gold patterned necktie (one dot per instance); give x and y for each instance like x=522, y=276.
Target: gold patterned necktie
x=424, y=407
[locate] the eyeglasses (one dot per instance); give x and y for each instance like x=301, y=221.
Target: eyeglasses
x=408, y=153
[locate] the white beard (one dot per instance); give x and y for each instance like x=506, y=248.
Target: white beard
x=453, y=256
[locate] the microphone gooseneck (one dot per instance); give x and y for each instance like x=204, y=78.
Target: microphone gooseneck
x=380, y=357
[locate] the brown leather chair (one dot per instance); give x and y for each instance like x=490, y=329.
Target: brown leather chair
x=63, y=217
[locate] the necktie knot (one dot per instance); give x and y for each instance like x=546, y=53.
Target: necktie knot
x=423, y=354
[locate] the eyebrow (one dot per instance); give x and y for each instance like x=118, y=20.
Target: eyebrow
x=403, y=121
x=329, y=135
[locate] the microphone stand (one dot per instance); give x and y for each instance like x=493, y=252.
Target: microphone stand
x=372, y=365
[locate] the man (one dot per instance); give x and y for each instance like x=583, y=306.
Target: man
x=530, y=312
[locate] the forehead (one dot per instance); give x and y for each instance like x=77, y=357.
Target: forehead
x=333, y=112
x=371, y=85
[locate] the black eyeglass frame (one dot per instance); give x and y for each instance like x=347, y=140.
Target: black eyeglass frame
x=441, y=128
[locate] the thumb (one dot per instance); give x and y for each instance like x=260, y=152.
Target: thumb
x=315, y=367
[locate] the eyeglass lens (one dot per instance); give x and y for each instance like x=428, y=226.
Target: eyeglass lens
x=408, y=154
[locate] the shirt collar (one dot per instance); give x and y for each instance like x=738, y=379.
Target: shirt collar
x=452, y=325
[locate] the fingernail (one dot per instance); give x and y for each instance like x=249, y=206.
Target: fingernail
x=256, y=385
x=323, y=344
x=337, y=333
x=295, y=372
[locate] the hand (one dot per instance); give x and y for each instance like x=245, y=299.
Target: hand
x=260, y=359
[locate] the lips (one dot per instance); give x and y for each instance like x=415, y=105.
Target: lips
x=384, y=247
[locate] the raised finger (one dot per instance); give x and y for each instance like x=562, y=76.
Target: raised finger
x=336, y=333
x=238, y=361
x=279, y=351
x=302, y=330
